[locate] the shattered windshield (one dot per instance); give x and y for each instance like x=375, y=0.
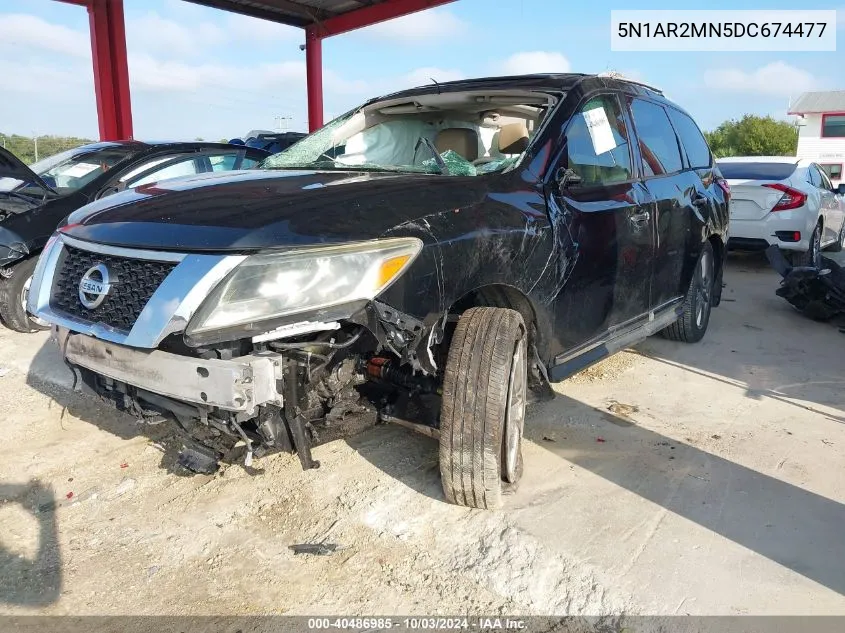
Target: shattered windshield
x=453, y=134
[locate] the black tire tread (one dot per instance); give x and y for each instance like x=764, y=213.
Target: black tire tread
x=11, y=312
x=475, y=388
x=684, y=329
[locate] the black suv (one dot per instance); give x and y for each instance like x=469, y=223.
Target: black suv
x=433, y=258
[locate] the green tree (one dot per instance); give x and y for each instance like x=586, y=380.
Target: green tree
x=24, y=146
x=753, y=135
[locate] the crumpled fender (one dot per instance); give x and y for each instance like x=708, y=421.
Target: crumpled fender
x=12, y=247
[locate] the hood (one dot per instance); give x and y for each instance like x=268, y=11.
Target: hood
x=260, y=209
x=13, y=167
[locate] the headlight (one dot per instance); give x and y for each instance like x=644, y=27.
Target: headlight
x=274, y=285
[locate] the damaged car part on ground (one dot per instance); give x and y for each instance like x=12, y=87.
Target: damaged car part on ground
x=35, y=199
x=434, y=258
x=817, y=291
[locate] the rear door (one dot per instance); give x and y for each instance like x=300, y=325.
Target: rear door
x=676, y=191
x=836, y=212
x=604, y=210
x=828, y=204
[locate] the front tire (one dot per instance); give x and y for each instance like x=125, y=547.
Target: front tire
x=13, y=295
x=692, y=325
x=483, y=410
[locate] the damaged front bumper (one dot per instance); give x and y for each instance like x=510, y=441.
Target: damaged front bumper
x=817, y=291
x=238, y=385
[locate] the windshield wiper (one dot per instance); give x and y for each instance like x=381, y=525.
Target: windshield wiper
x=441, y=164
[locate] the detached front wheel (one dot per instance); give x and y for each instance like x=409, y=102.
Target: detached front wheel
x=483, y=410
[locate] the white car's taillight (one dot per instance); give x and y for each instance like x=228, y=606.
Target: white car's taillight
x=791, y=198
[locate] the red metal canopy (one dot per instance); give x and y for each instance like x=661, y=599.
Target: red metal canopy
x=319, y=18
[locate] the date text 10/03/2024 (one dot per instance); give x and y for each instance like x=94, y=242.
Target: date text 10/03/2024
x=417, y=623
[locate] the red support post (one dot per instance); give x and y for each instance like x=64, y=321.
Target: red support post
x=314, y=78
x=111, y=69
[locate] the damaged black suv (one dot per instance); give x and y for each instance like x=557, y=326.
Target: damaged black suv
x=433, y=258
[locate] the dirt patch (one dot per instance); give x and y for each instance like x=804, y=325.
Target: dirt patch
x=608, y=369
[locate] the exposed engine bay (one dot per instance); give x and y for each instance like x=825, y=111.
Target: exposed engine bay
x=284, y=395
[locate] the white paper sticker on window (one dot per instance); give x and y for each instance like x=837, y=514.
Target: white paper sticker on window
x=80, y=169
x=599, y=128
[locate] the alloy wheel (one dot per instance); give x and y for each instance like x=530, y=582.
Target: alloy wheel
x=815, y=254
x=704, y=288
x=515, y=418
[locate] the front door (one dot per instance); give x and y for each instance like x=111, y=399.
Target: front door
x=680, y=199
x=605, y=211
x=829, y=206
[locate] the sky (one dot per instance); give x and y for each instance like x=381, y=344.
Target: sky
x=196, y=72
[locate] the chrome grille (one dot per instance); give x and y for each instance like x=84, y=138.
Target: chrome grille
x=133, y=283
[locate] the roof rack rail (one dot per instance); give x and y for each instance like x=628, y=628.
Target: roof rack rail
x=619, y=76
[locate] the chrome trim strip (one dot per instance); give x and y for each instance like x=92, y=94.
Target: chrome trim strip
x=119, y=251
x=169, y=309
x=39, y=292
x=179, y=296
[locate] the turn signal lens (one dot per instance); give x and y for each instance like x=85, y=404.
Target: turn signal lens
x=390, y=268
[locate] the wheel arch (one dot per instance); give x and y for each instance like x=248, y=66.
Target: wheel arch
x=534, y=316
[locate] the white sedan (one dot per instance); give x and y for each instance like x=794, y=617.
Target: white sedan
x=783, y=201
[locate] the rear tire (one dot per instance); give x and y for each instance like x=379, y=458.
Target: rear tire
x=483, y=409
x=692, y=325
x=13, y=293
x=812, y=257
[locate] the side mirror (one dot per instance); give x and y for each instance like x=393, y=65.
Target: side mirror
x=841, y=189
x=567, y=178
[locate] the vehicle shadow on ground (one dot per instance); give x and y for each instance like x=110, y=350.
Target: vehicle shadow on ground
x=782, y=522
x=758, y=342
x=31, y=581
x=403, y=455
x=787, y=524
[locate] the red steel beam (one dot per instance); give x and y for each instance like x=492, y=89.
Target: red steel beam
x=373, y=14
x=314, y=78
x=111, y=69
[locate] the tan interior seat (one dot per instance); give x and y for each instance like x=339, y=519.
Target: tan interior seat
x=513, y=138
x=463, y=141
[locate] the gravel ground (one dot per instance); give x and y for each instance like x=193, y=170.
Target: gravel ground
x=703, y=479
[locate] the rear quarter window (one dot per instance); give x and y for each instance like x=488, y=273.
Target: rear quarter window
x=698, y=152
x=756, y=170
x=658, y=143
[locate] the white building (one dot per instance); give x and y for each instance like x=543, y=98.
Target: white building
x=821, y=136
